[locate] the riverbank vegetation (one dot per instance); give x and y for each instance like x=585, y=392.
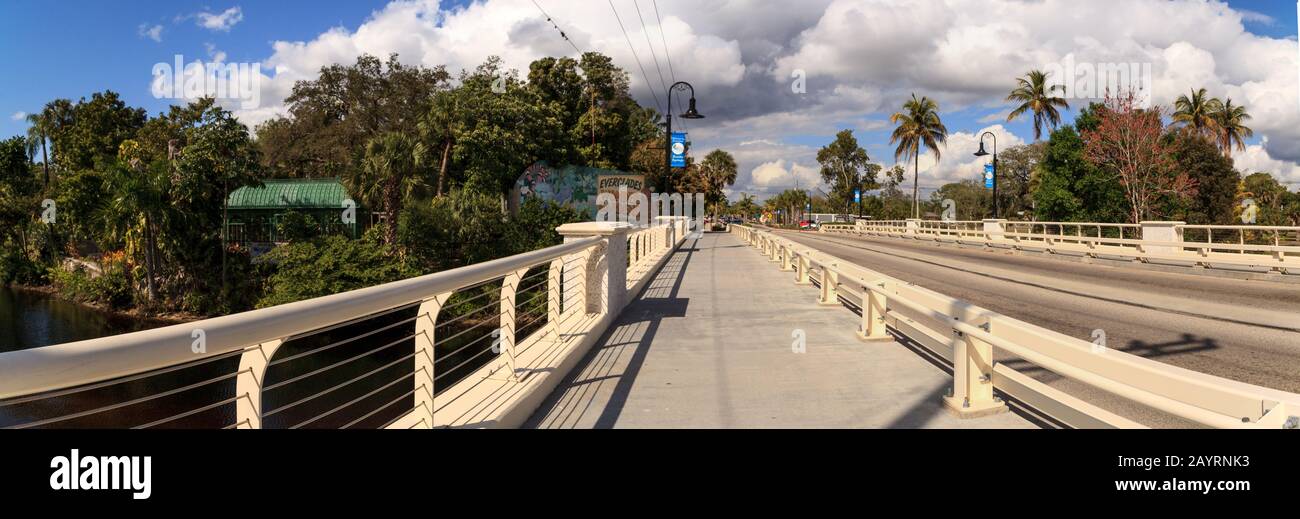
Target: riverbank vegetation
x=107, y=205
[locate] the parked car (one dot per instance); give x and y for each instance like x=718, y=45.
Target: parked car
x=808, y=224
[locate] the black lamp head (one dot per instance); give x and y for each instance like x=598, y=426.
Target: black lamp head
x=981, y=152
x=691, y=113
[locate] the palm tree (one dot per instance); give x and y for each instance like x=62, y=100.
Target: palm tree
x=440, y=127
x=1196, y=113
x=1034, y=95
x=717, y=171
x=918, y=125
x=37, y=134
x=1232, y=130
x=136, y=205
x=388, y=174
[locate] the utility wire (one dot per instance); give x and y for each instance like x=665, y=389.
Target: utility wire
x=654, y=54
x=669, y=57
x=557, y=28
x=648, y=84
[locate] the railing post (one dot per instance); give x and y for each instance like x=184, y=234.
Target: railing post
x=248, y=384
x=874, y=307
x=913, y=226
x=426, y=322
x=830, y=280
x=605, y=278
x=509, y=296
x=786, y=265
x=1169, y=232
x=801, y=271
x=972, y=379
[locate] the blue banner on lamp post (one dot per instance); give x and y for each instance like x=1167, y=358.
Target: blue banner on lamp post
x=988, y=176
x=678, y=150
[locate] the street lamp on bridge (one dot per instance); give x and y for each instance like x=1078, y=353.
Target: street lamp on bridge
x=982, y=153
x=668, y=138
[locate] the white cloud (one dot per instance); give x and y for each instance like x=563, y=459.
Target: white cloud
x=1255, y=159
x=862, y=58
x=957, y=159
x=222, y=21
x=18, y=116
x=153, y=32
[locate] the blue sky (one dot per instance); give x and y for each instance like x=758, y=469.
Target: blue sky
x=71, y=49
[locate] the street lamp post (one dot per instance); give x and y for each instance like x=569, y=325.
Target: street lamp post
x=997, y=209
x=668, y=136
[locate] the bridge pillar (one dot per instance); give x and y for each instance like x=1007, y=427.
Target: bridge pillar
x=605, y=278
x=1163, y=232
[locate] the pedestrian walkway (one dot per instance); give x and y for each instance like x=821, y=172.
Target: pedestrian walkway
x=712, y=343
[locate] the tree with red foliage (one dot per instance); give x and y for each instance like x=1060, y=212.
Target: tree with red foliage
x=1127, y=143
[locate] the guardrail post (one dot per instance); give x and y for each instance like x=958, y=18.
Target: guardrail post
x=830, y=281
x=913, y=226
x=1170, y=232
x=801, y=270
x=606, y=278
x=972, y=379
x=874, y=307
x=786, y=264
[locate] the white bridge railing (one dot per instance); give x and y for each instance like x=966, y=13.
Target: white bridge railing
x=1242, y=247
x=965, y=335
x=478, y=346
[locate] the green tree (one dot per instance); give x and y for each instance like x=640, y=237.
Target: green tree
x=95, y=129
x=333, y=117
x=970, y=198
x=846, y=167
x=1016, y=168
x=919, y=126
x=504, y=128
x=1034, y=95
x=1066, y=187
x=1213, y=174
x=330, y=265
x=217, y=157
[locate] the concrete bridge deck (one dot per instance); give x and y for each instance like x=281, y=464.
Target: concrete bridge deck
x=709, y=344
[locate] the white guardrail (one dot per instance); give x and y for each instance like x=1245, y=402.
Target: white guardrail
x=965, y=335
x=366, y=358
x=1237, y=247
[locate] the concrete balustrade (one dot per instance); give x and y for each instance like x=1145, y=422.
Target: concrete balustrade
x=1153, y=242
x=965, y=335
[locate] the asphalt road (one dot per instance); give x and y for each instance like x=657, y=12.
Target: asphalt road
x=1241, y=330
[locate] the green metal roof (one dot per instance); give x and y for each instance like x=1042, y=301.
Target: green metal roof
x=291, y=193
